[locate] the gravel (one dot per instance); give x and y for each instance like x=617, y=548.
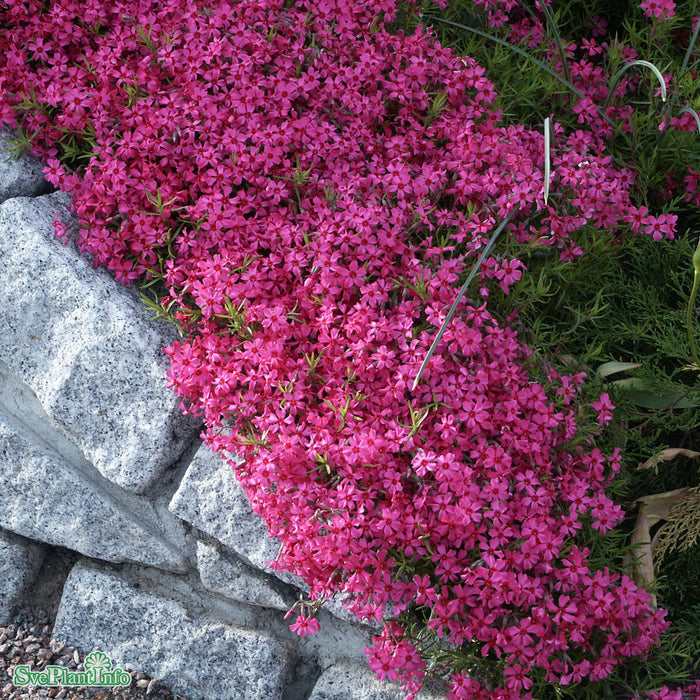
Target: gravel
x=27, y=640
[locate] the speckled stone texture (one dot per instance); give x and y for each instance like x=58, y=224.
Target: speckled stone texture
x=46, y=498
x=138, y=628
x=19, y=177
x=20, y=561
x=85, y=348
x=164, y=561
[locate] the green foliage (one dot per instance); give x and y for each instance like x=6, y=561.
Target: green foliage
x=535, y=83
x=682, y=529
x=626, y=300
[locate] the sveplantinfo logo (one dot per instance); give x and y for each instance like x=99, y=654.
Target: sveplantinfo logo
x=98, y=671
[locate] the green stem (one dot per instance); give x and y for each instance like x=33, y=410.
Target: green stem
x=689, y=50
x=691, y=305
x=684, y=67
x=557, y=39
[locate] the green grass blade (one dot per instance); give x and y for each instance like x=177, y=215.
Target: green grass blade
x=625, y=68
x=462, y=292
x=689, y=50
x=684, y=66
x=557, y=39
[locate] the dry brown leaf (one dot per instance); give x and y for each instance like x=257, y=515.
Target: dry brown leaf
x=667, y=455
x=652, y=509
x=657, y=505
x=643, y=564
x=681, y=530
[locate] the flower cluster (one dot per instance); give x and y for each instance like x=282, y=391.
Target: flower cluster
x=309, y=193
x=659, y=9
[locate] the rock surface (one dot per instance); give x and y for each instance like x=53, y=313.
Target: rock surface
x=44, y=497
x=19, y=177
x=212, y=500
x=231, y=577
x=99, y=469
x=198, y=657
x=85, y=348
x=20, y=561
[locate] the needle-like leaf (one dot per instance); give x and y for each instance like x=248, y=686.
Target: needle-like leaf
x=462, y=292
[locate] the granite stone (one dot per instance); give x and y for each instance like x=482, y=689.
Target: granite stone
x=84, y=346
x=199, y=657
x=210, y=498
x=54, y=498
x=21, y=175
x=20, y=561
x=226, y=574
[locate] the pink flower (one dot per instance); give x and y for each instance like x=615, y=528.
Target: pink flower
x=660, y=226
x=665, y=693
x=586, y=110
x=516, y=677
x=659, y=9
x=305, y=626
x=511, y=271
x=54, y=171
x=604, y=407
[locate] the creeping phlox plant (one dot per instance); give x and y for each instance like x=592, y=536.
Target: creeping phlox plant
x=304, y=188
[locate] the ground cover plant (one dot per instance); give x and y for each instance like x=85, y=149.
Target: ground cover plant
x=302, y=188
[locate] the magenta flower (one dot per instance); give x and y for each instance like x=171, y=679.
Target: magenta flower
x=305, y=626
x=297, y=192
x=659, y=9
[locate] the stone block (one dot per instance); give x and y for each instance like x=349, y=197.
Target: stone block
x=19, y=177
x=83, y=344
x=231, y=577
x=59, y=498
x=199, y=657
x=20, y=561
x=210, y=498
x=348, y=681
